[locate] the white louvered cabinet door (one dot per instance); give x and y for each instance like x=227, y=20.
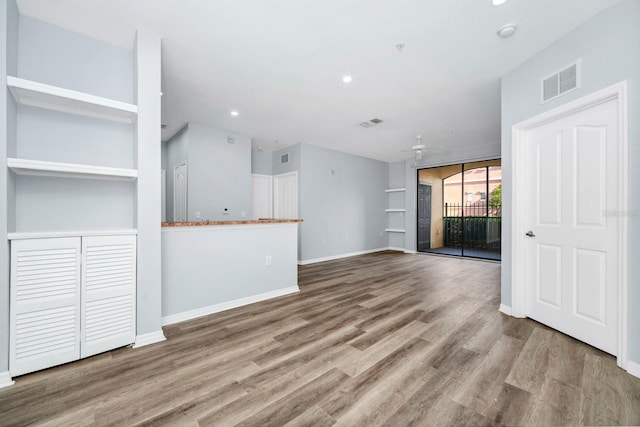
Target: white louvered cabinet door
x=45, y=303
x=108, y=293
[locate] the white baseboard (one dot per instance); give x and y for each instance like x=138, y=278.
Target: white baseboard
x=216, y=308
x=390, y=248
x=406, y=251
x=633, y=368
x=148, y=339
x=340, y=256
x=5, y=379
x=506, y=310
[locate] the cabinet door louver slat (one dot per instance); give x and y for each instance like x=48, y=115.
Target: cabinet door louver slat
x=45, y=303
x=108, y=293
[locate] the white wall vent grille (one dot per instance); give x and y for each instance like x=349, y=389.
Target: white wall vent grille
x=284, y=158
x=561, y=82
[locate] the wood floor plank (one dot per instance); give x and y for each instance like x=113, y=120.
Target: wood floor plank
x=380, y=339
x=529, y=371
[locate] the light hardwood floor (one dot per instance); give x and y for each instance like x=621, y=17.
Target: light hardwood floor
x=381, y=339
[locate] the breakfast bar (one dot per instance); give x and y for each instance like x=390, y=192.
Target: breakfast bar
x=212, y=266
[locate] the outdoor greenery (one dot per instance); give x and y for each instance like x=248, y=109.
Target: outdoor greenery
x=495, y=200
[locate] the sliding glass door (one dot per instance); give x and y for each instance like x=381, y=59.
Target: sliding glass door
x=464, y=210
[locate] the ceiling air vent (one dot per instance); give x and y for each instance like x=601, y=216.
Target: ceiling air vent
x=284, y=158
x=561, y=82
x=370, y=123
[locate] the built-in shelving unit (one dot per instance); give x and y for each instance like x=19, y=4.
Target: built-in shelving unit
x=68, y=170
x=393, y=198
x=36, y=94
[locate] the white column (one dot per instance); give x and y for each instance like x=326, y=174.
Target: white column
x=148, y=190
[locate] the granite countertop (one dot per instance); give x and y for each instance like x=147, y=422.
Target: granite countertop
x=234, y=222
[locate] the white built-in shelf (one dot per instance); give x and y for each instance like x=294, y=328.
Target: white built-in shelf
x=70, y=233
x=395, y=210
x=28, y=92
x=394, y=230
x=69, y=170
x=395, y=190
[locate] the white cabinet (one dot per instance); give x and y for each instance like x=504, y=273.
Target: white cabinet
x=71, y=297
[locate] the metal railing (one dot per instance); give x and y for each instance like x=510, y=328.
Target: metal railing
x=473, y=225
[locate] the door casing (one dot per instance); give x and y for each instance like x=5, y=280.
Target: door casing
x=617, y=92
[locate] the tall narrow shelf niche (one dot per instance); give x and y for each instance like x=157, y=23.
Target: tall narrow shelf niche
x=395, y=208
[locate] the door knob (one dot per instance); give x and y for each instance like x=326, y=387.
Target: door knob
x=530, y=234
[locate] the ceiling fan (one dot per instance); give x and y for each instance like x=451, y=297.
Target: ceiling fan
x=419, y=149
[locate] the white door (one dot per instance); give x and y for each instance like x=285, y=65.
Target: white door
x=261, y=196
x=180, y=192
x=572, y=278
x=108, y=293
x=45, y=303
x=285, y=196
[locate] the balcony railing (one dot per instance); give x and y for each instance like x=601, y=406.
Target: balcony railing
x=474, y=226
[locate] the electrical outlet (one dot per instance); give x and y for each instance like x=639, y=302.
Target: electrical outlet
x=267, y=260
x=198, y=216
x=225, y=211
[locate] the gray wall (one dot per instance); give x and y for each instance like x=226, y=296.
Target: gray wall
x=229, y=264
x=261, y=162
x=609, y=45
x=219, y=174
x=8, y=66
x=343, y=212
x=52, y=55
x=294, y=160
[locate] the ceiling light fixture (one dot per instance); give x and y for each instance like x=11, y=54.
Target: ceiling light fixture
x=234, y=113
x=498, y=2
x=506, y=31
x=347, y=79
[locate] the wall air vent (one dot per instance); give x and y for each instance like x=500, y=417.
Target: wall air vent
x=561, y=82
x=284, y=158
x=370, y=123
x=163, y=125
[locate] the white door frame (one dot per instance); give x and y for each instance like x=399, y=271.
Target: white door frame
x=617, y=92
x=270, y=179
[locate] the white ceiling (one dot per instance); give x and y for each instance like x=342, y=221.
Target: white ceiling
x=280, y=64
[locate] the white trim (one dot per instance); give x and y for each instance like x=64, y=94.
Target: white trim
x=5, y=379
x=41, y=95
x=218, y=227
x=216, y=308
x=69, y=170
x=618, y=92
x=410, y=252
x=505, y=309
x=340, y=256
x=395, y=210
x=70, y=233
x=394, y=190
x=633, y=368
x=148, y=339
x=394, y=230
x=391, y=248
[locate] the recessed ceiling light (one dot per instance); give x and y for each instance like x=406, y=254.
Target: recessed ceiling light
x=346, y=79
x=234, y=113
x=498, y=2
x=506, y=31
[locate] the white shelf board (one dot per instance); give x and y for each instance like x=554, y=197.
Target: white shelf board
x=395, y=210
x=70, y=233
x=394, y=230
x=36, y=94
x=68, y=170
x=395, y=190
